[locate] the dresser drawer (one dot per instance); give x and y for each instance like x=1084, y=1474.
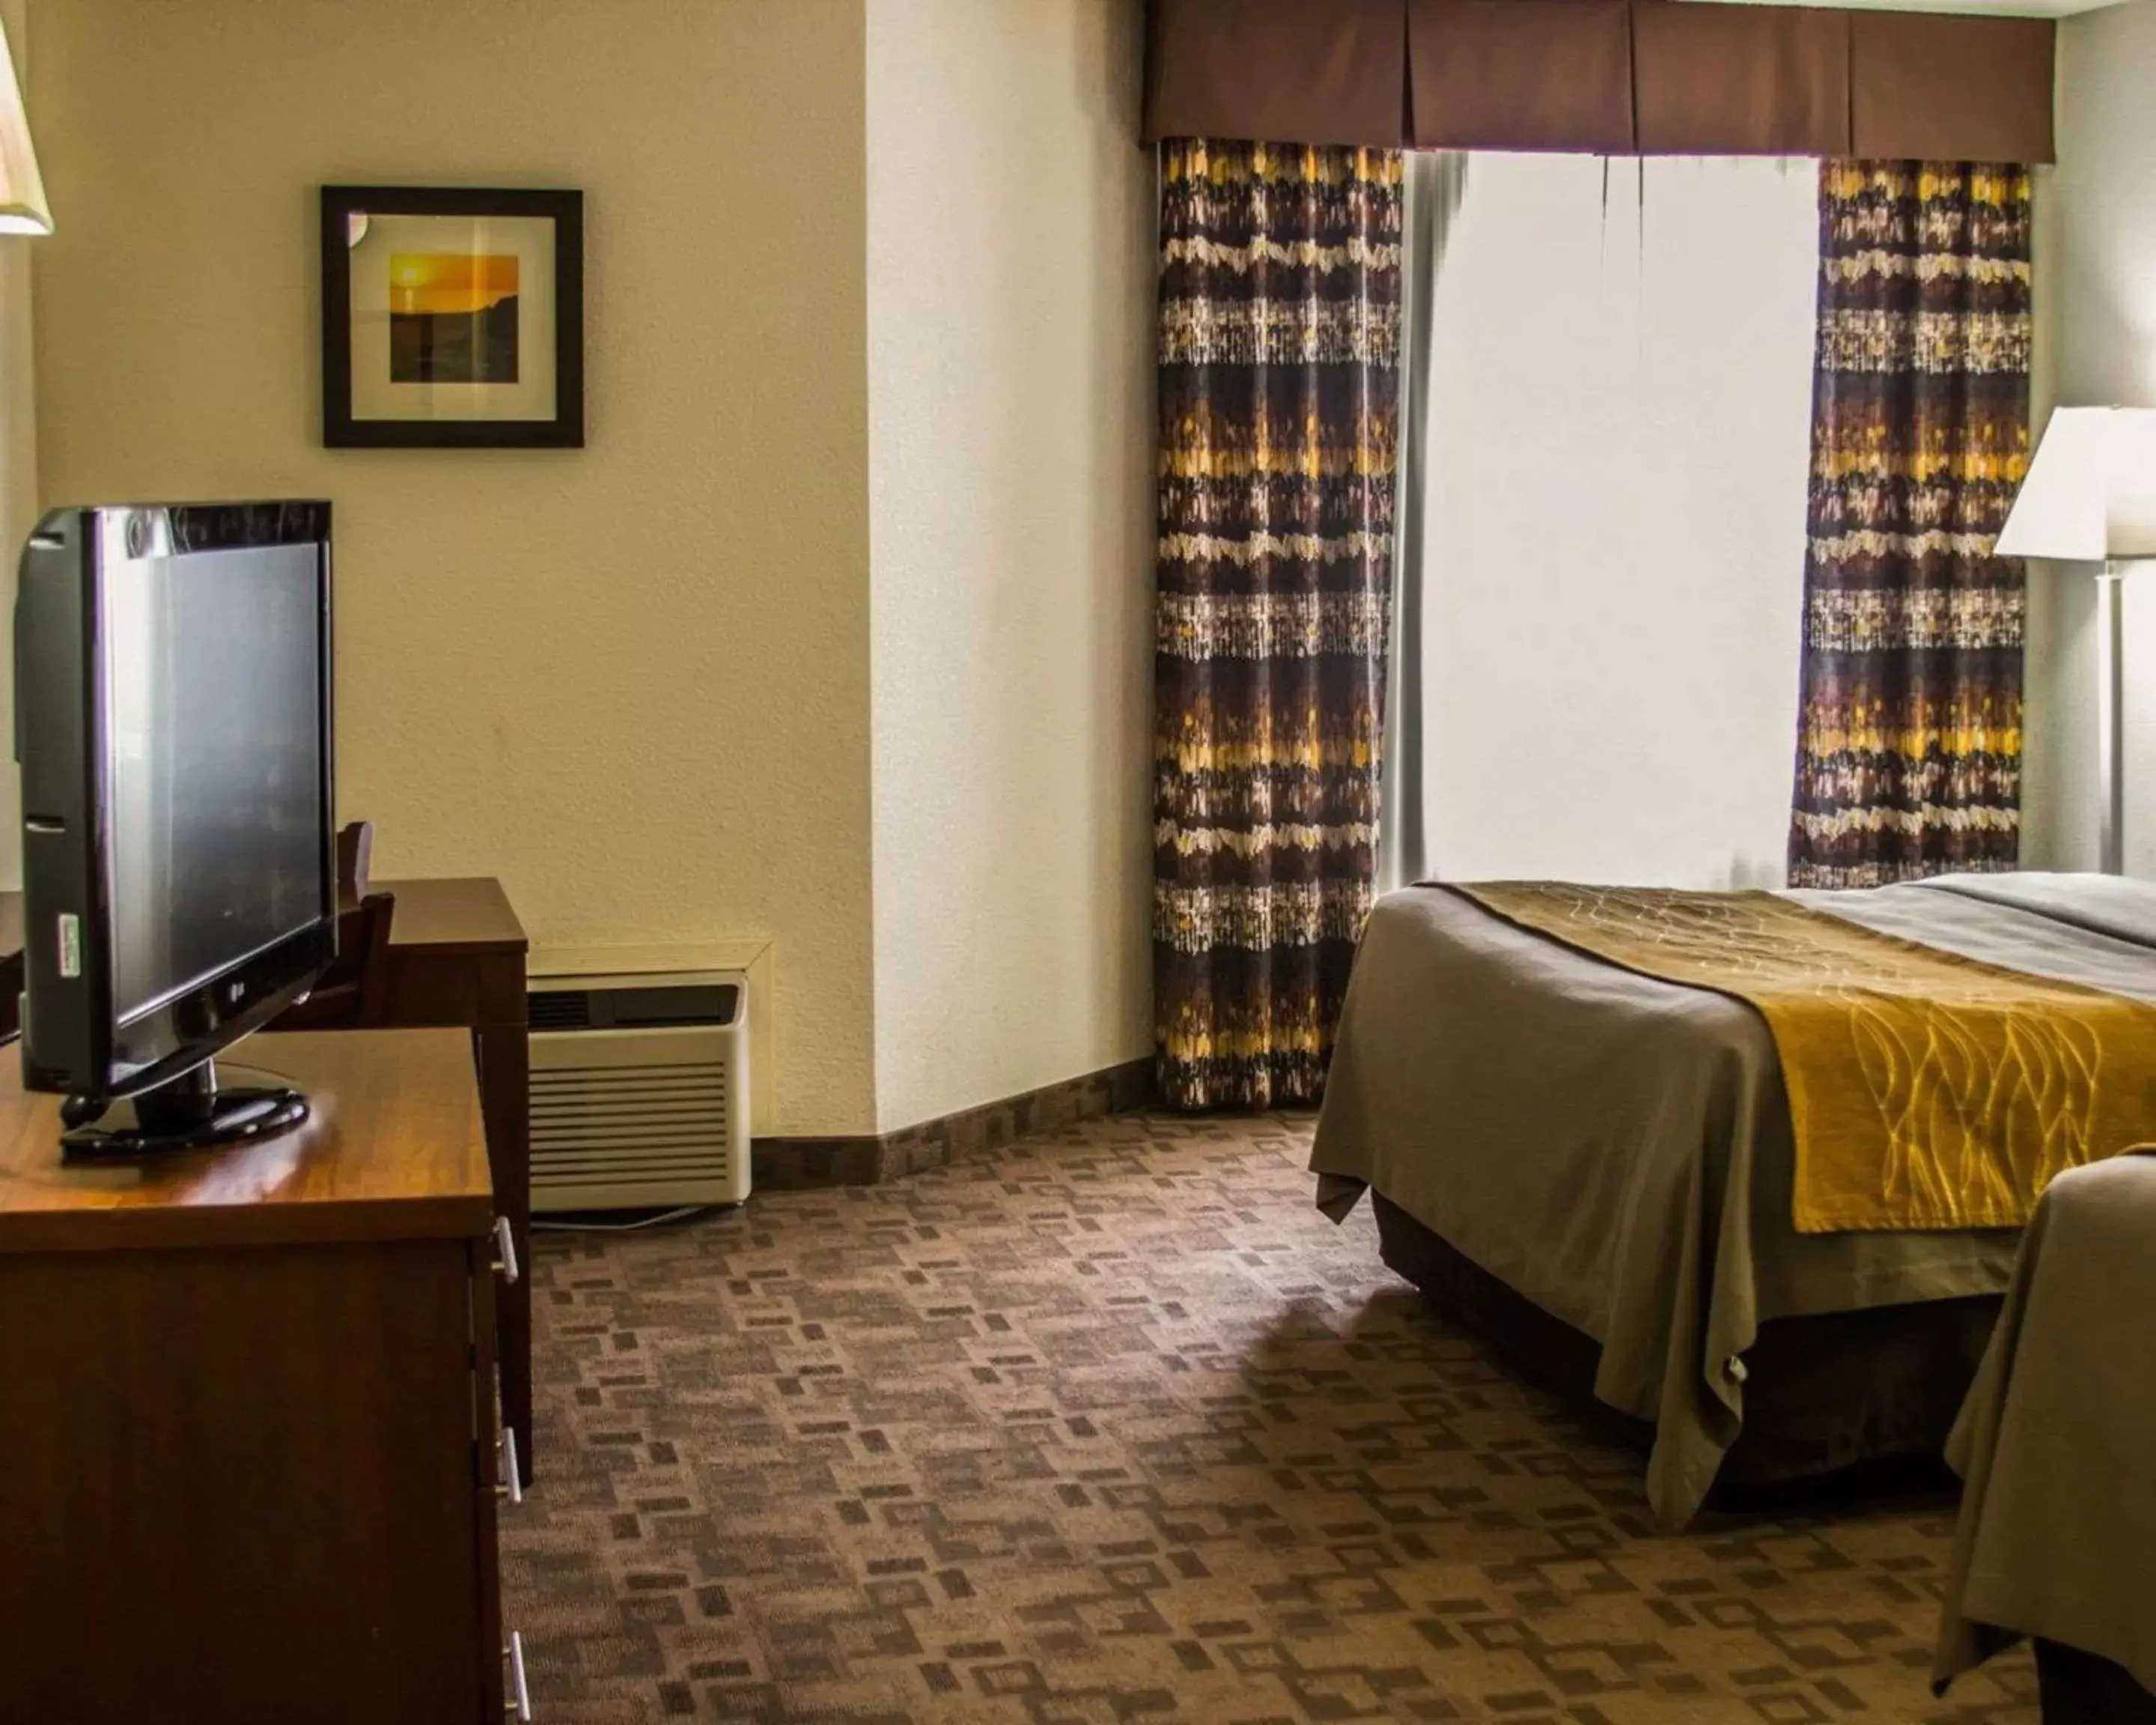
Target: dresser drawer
x=233, y=1487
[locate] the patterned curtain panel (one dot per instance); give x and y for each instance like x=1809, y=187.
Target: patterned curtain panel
x=1278, y=333
x=1909, y=751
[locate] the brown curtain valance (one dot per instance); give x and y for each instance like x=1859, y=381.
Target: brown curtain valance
x=1740, y=80
x=1612, y=77
x=1982, y=86
x=1284, y=71
x=1521, y=74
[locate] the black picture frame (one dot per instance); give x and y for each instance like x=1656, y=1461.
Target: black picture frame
x=565, y=430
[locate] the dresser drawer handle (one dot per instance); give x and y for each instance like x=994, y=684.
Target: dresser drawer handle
x=512, y=1478
x=518, y=1706
x=505, y=1243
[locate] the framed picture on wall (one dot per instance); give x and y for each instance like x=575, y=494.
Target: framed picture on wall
x=452, y=318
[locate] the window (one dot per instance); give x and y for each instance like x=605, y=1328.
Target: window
x=1603, y=566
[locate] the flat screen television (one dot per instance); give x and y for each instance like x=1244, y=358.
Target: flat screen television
x=173, y=729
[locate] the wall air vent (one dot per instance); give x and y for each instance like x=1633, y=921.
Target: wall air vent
x=640, y=1091
x=560, y=1008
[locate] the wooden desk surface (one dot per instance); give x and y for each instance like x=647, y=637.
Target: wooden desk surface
x=461, y=912
x=452, y=912
x=394, y=1150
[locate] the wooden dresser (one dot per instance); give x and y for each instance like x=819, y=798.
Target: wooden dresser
x=249, y=1432
x=456, y=956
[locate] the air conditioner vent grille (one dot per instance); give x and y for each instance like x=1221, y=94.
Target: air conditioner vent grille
x=559, y=1009
x=637, y=1091
x=653, y=1006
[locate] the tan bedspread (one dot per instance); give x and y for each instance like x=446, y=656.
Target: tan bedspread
x=1927, y=1090
x=1617, y=1148
x=2058, y=1525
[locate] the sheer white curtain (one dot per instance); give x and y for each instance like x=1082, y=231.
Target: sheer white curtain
x=1605, y=444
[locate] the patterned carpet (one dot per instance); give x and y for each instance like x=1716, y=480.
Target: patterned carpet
x=1110, y=1426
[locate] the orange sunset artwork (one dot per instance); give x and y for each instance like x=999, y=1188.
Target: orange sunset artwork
x=452, y=318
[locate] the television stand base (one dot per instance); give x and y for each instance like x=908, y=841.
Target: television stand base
x=189, y=1113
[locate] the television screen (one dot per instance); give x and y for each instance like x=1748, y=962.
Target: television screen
x=215, y=751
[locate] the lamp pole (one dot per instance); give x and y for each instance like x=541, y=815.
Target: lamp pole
x=2110, y=704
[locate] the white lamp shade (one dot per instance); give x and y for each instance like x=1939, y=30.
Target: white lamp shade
x=23, y=208
x=2091, y=492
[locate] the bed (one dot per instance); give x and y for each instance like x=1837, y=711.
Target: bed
x=1596, y=1167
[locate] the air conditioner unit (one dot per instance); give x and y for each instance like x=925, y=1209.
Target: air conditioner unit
x=639, y=1089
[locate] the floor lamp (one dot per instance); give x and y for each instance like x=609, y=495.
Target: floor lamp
x=2091, y=497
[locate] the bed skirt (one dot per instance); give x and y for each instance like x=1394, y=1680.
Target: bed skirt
x=1822, y=1396
x=2078, y=1688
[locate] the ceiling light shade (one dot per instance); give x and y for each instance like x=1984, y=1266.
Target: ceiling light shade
x=23, y=208
x=2091, y=492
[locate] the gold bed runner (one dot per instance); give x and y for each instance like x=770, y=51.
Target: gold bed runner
x=1927, y=1091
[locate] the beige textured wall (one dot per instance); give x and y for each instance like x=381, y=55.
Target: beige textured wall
x=1010, y=258
x=632, y=679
